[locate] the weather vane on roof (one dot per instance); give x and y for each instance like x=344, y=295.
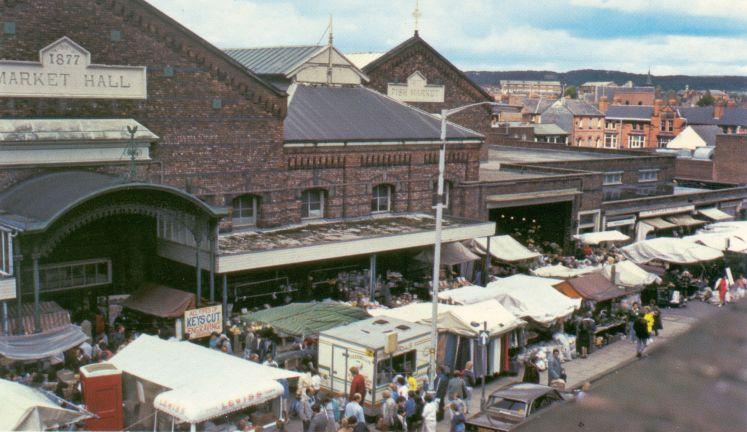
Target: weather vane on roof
x=417, y=14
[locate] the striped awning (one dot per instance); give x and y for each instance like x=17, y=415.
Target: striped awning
x=51, y=316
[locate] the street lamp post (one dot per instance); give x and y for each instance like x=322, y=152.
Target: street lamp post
x=445, y=113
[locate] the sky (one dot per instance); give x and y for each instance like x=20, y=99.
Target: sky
x=697, y=37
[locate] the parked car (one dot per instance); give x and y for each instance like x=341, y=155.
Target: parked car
x=508, y=407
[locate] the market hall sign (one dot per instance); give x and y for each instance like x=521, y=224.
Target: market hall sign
x=64, y=70
x=417, y=89
x=202, y=322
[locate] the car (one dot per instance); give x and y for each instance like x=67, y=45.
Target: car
x=512, y=405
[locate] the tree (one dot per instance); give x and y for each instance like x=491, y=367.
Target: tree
x=571, y=92
x=706, y=100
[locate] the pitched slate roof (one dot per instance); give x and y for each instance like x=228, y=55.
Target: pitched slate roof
x=707, y=133
x=273, y=60
x=537, y=105
x=733, y=117
x=630, y=112
x=548, y=129
x=416, y=39
x=357, y=113
x=579, y=107
x=698, y=115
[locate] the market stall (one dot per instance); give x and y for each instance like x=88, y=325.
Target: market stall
x=628, y=274
x=41, y=345
x=671, y=250
x=504, y=248
x=459, y=330
x=733, y=241
x=596, y=238
x=197, y=384
x=154, y=305
x=24, y=408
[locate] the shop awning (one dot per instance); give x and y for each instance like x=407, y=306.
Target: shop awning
x=594, y=238
x=25, y=408
x=715, y=214
x=42, y=345
x=685, y=220
x=658, y=223
x=628, y=274
x=672, y=250
x=51, y=316
x=563, y=272
x=216, y=398
x=451, y=254
x=160, y=301
x=504, y=248
x=592, y=286
x=307, y=318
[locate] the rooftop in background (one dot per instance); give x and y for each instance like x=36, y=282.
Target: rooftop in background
x=520, y=155
x=537, y=105
x=731, y=116
x=273, y=60
x=361, y=59
x=695, y=382
x=493, y=172
x=548, y=129
x=630, y=112
x=359, y=114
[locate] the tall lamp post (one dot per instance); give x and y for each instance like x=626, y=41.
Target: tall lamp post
x=445, y=113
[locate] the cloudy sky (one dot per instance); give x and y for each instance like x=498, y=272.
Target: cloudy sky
x=705, y=37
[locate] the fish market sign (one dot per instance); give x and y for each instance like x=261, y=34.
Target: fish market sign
x=64, y=70
x=204, y=321
x=417, y=89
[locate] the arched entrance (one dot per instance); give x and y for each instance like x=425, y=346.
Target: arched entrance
x=83, y=234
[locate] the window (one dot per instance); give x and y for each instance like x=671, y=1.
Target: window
x=636, y=141
x=610, y=140
x=244, y=210
x=381, y=201
x=400, y=364
x=588, y=222
x=176, y=227
x=77, y=274
x=649, y=175
x=513, y=407
x=313, y=204
x=447, y=193
x=6, y=253
x=611, y=125
x=580, y=123
x=663, y=141
x=596, y=142
x=543, y=402
x=612, y=178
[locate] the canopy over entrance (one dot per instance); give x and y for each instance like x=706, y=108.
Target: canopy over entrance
x=36, y=204
x=451, y=254
x=160, y=301
x=504, y=248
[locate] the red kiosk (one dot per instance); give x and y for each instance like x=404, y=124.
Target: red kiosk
x=102, y=394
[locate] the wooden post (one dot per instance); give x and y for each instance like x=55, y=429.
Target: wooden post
x=37, y=288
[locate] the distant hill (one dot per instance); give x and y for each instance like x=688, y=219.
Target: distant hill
x=577, y=77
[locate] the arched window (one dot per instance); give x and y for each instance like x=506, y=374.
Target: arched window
x=313, y=203
x=381, y=200
x=245, y=210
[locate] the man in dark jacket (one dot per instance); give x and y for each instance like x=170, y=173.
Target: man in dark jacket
x=319, y=419
x=641, y=333
x=440, y=384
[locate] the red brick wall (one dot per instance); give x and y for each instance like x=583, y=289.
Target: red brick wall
x=730, y=159
x=458, y=90
x=694, y=169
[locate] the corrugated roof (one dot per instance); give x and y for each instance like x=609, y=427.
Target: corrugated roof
x=708, y=133
x=321, y=113
x=630, y=112
x=273, y=60
x=307, y=318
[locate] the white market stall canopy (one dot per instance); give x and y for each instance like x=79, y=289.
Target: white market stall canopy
x=561, y=271
x=723, y=241
x=672, y=250
x=26, y=408
x=458, y=318
x=628, y=274
x=729, y=226
x=522, y=295
x=504, y=248
x=213, y=378
x=594, y=238
x=42, y=345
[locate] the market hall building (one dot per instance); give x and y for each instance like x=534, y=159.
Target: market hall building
x=135, y=152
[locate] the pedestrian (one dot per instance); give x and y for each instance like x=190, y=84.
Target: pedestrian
x=333, y=413
x=357, y=384
x=249, y=342
x=411, y=411
x=388, y=411
x=648, y=316
x=657, y=318
x=531, y=372
x=269, y=361
x=354, y=409
x=400, y=421
x=356, y=425
x=633, y=313
x=305, y=413
x=430, y=411
x=456, y=388
x=402, y=388
x=554, y=368
x=440, y=385
x=641, y=333
x=318, y=420
x=469, y=381
x=457, y=419
x=723, y=288
x=581, y=395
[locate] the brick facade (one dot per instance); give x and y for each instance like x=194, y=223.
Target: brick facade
x=730, y=159
x=664, y=124
x=416, y=55
x=221, y=152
